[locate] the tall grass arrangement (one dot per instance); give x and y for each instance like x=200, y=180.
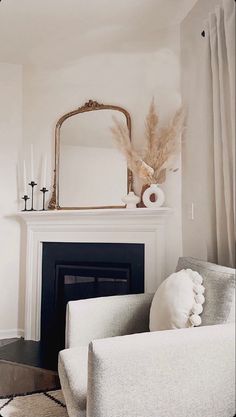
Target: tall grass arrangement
x=163, y=144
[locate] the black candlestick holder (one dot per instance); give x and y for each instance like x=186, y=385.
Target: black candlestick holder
x=25, y=198
x=32, y=184
x=44, y=191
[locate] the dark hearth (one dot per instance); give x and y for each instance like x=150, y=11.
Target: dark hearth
x=73, y=271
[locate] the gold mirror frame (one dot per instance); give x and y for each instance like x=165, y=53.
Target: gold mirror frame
x=87, y=107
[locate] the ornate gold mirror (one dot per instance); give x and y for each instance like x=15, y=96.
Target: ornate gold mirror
x=90, y=172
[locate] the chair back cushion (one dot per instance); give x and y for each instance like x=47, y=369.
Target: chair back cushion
x=219, y=283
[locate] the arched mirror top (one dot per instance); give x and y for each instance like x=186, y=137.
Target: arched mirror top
x=92, y=105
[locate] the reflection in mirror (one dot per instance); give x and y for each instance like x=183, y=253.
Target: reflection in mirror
x=92, y=172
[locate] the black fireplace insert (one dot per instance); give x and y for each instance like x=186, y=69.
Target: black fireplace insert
x=75, y=271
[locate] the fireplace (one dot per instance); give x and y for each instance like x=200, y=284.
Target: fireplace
x=117, y=226
x=73, y=271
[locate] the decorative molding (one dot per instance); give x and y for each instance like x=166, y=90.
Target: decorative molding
x=140, y=225
x=91, y=105
x=119, y=213
x=52, y=202
x=11, y=333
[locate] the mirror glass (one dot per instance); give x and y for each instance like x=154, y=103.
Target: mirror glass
x=92, y=171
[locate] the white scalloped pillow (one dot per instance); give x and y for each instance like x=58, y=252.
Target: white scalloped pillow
x=178, y=302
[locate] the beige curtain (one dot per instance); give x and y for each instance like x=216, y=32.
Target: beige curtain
x=219, y=44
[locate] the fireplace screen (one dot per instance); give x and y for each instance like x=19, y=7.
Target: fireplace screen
x=99, y=280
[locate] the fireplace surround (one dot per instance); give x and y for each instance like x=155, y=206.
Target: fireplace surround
x=135, y=226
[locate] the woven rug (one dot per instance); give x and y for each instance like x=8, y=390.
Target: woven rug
x=43, y=404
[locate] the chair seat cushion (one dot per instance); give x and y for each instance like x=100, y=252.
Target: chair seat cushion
x=73, y=371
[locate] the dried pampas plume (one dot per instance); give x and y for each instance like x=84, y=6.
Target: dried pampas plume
x=162, y=146
x=135, y=163
x=151, y=136
x=145, y=172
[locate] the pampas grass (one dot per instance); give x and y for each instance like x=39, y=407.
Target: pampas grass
x=163, y=145
x=134, y=161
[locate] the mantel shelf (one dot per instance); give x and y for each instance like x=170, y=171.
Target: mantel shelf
x=50, y=215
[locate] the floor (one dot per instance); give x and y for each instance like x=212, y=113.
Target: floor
x=22, y=369
x=25, y=352
x=7, y=341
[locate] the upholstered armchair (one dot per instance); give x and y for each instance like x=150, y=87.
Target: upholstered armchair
x=114, y=367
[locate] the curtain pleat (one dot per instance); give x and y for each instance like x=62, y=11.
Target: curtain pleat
x=220, y=44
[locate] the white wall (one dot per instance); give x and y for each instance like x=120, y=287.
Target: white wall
x=197, y=158
x=126, y=79
x=129, y=80
x=10, y=142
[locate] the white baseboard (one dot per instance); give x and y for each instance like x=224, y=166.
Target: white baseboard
x=11, y=333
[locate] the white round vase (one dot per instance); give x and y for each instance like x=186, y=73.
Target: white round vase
x=159, y=196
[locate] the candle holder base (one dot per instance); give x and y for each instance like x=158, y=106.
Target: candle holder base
x=32, y=184
x=44, y=191
x=25, y=198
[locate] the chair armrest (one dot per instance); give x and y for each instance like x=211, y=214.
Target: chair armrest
x=181, y=373
x=103, y=317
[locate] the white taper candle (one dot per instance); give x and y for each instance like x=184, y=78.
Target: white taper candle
x=24, y=178
x=32, y=162
x=44, y=177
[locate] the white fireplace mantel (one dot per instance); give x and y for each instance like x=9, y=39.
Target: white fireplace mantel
x=141, y=225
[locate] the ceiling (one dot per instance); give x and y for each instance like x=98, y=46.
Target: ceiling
x=50, y=31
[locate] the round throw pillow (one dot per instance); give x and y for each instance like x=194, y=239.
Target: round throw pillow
x=178, y=301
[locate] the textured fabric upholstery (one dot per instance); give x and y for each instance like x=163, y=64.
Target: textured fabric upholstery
x=73, y=370
x=102, y=317
x=219, y=283
x=180, y=373
x=89, y=319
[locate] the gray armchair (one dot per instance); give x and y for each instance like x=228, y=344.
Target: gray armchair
x=114, y=367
